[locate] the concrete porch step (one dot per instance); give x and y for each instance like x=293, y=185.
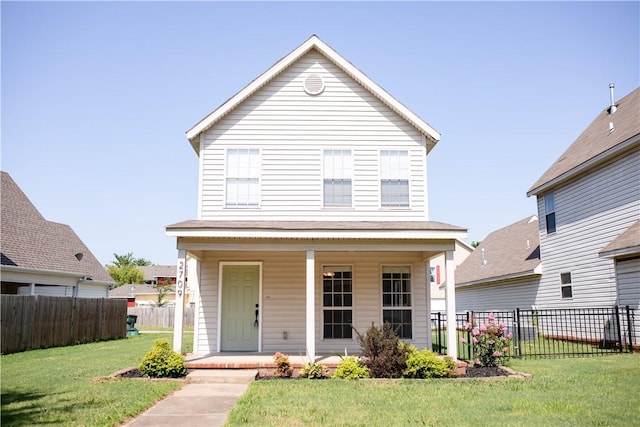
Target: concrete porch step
x=225, y=376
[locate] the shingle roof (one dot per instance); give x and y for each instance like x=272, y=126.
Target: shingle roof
x=153, y=271
x=512, y=251
x=28, y=240
x=596, y=142
x=317, y=225
x=626, y=244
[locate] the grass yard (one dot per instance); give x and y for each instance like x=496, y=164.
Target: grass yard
x=591, y=391
x=57, y=385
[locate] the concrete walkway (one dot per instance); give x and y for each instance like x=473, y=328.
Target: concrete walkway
x=205, y=400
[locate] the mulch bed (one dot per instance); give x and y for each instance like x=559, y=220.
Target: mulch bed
x=485, y=372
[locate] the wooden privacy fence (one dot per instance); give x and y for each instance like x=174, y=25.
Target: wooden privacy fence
x=160, y=316
x=37, y=321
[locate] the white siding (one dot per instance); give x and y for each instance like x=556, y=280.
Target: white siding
x=291, y=128
x=628, y=277
x=590, y=212
x=504, y=296
x=283, y=297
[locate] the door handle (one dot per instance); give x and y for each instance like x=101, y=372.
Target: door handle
x=255, y=322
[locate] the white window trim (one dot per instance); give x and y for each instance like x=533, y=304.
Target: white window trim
x=353, y=302
x=412, y=308
x=322, y=202
x=226, y=176
x=381, y=177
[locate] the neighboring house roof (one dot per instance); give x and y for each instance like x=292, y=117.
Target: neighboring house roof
x=312, y=229
x=511, y=252
x=126, y=291
x=626, y=244
x=31, y=243
x=596, y=144
x=314, y=43
x=153, y=271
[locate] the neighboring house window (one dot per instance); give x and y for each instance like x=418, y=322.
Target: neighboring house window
x=337, y=301
x=394, y=178
x=565, y=281
x=434, y=274
x=338, y=170
x=396, y=300
x=243, y=173
x=550, y=212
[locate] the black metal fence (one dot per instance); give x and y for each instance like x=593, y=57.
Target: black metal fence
x=548, y=332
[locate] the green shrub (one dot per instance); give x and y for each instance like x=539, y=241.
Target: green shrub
x=426, y=364
x=382, y=352
x=162, y=362
x=351, y=368
x=314, y=371
x=283, y=366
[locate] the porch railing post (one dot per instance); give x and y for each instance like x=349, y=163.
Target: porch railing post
x=629, y=329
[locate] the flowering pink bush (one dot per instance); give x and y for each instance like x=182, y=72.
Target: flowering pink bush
x=491, y=342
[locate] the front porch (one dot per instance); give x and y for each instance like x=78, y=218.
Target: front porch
x=264, y=363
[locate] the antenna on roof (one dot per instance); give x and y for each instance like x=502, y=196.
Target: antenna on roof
x=484, y=261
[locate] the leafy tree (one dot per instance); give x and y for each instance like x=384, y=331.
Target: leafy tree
x=475, y=244
x=123, y=269
x=163, y=288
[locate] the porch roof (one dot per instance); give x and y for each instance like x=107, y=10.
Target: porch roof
x=317, y=229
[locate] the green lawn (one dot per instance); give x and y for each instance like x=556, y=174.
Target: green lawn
x=59, y=386
x=595, y=391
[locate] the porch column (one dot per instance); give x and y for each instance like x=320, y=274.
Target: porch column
x=179, y=310
x=311, y=326
x=450, y=294
x=32, y=289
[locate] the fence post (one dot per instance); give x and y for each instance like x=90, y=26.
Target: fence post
x=518, y=331
x=629, y=329
x=439, y=339
x=469, y=342
x=617, y=310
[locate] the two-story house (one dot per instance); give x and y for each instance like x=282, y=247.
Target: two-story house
x=312, y=214
x=589, y=206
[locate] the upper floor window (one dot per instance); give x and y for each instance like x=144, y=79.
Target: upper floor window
x=243, y=176
x=394, y=178
x=338, y=169
x=550, y=212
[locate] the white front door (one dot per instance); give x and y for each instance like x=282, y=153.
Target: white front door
x=239, y=325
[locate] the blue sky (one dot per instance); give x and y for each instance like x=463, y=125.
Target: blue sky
x=97, y=97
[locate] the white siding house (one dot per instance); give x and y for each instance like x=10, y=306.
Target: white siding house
x=586, y=200
x=438, y=277
x=312, y=214
x=503, y=273
x=41, y=257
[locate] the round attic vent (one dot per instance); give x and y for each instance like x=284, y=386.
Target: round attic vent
x=313, y=84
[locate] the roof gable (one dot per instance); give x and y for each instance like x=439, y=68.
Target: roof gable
x=29, y=241
x=512, y=251
x=596, y=144
x=313, y=43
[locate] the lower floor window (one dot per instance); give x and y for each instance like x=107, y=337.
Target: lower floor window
x=396, y=300
x=400, y=321
x=337, y=323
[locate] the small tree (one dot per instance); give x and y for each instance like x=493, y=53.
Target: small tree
x=123, y=270
x=382, y=352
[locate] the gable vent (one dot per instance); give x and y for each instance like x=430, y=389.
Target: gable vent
x=313, y=84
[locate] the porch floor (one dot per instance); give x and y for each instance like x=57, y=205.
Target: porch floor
x=248, y=360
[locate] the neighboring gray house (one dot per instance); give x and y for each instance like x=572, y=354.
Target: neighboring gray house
x=503, y=272
x=312, y=215
x=41, y=257
x=589, y=208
